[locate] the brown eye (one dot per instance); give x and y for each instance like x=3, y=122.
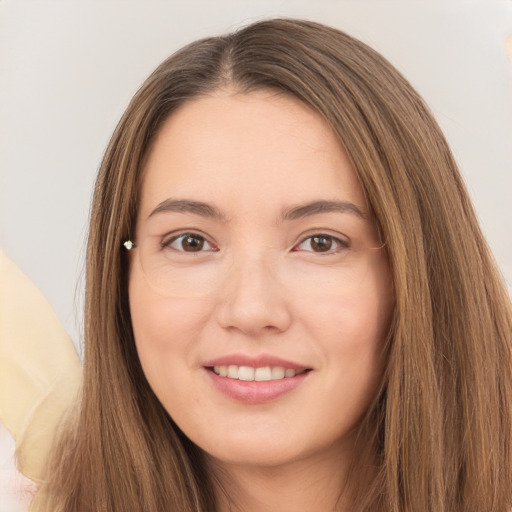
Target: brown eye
x=188, y=242
x=322, y=244
x=192, y=243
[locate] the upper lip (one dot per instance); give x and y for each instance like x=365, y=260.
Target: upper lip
x=259, y=361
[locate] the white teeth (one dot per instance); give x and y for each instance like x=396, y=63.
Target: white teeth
x=245, y=373
x=248, y=373
x=221, y=370
x=264, y=373
x=278, y=372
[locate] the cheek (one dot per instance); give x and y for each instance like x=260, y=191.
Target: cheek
x=353, y=304
x=354, y=321
x=166, y=332
x=351, y=329
x=161, y=322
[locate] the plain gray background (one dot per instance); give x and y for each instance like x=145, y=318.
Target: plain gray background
x=69, y=68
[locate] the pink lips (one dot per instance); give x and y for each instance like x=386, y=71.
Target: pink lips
x=255, y=392
x=255, y=362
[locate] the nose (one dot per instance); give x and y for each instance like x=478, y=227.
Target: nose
x=253, y=301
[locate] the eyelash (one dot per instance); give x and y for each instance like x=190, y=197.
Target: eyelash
x=340, y=244
x=167, y=244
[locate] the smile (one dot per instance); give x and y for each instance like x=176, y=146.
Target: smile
x=255, y=379
x=260, y=374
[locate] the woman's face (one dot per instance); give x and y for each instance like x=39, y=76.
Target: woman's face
x=256, y=259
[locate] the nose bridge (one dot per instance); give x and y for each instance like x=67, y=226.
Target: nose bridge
x=253, y=299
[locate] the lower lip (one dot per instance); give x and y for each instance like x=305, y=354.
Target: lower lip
x=255, y=392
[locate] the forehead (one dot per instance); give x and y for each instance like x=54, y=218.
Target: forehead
x=230, y=148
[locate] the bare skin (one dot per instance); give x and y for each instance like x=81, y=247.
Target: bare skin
x=255, y=251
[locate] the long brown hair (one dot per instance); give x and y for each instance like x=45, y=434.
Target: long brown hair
x=441, y=425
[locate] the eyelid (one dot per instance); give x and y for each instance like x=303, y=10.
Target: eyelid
x=342, y=243
x=172, y=237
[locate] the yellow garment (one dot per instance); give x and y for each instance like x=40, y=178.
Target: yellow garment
x=39, y=368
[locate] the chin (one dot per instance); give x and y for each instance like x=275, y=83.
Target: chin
x=265, y=450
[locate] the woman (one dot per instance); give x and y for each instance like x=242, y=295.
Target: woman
x=290, y=304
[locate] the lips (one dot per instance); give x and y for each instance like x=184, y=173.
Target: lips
x=255, y=380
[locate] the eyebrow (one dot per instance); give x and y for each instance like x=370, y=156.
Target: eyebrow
x=293, y=213
x=316, y=207
x=189, y=206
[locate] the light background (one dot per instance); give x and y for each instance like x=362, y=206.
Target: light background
x=69, y=68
